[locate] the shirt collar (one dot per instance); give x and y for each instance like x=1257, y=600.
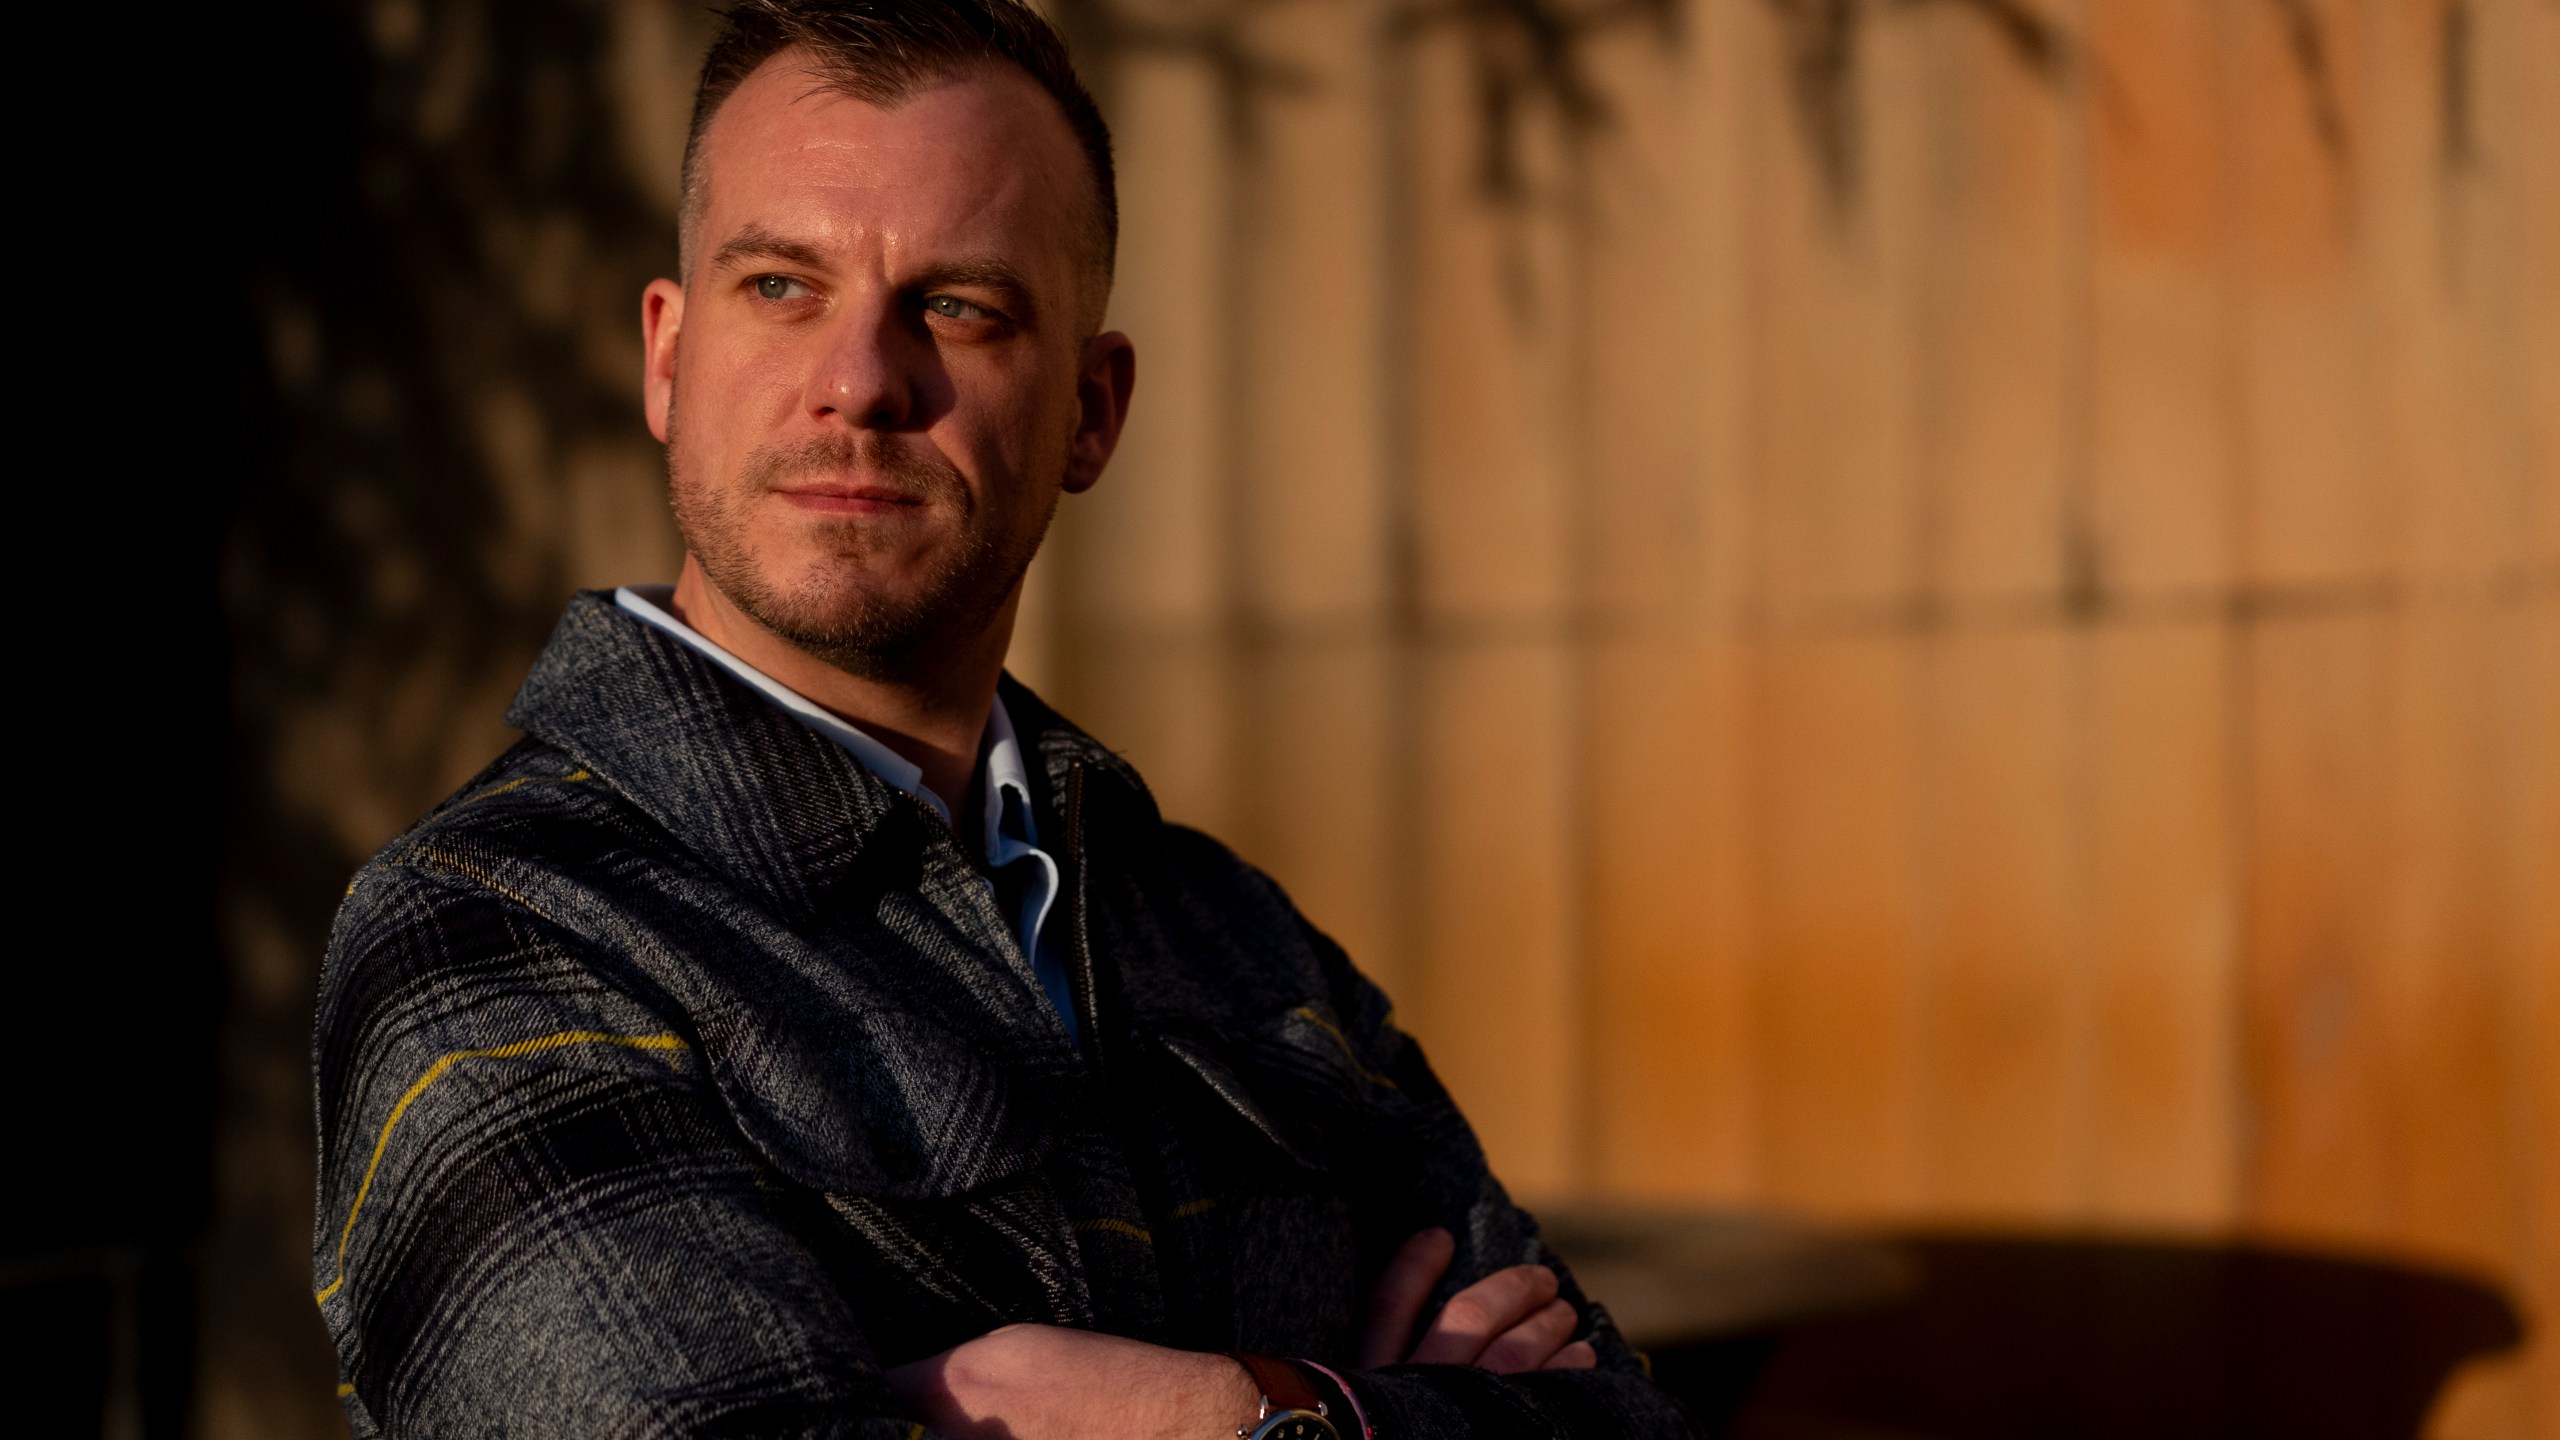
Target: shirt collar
x=1003, y=758
x=1002, y=775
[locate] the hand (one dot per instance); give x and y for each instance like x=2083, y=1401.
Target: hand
x=1044, y=1382
x=1508, y=1322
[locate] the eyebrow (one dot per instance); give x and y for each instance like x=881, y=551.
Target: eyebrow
x=757, y=243
x=980, y=275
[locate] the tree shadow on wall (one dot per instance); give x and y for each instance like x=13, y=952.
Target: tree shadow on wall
x=436, y=217
x=2083, y=1339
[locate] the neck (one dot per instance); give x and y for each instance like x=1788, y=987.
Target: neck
x=933, y=720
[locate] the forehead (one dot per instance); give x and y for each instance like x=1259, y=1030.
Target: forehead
x=981, y=159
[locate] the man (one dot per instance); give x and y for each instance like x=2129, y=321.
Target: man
x=806, y=1031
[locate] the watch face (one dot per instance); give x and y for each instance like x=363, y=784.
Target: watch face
x=1296, y=1425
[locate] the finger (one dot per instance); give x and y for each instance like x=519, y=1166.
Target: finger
x=1529, y=1344
x=1395, y=1303
x=1577, y=1356
x=1475, y=1315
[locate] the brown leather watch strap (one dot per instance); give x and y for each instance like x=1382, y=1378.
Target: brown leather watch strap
x=1281, y=1383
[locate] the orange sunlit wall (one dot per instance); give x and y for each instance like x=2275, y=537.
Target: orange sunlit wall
x=1931, y=612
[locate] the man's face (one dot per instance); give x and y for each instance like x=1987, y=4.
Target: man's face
x=875, y=383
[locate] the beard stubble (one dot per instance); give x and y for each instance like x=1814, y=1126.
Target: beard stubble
x=879, y=627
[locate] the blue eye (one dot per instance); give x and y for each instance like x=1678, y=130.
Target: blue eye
x=778, y=287
x=949, y=307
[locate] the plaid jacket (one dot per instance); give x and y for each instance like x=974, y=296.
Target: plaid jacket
x=676, y=1076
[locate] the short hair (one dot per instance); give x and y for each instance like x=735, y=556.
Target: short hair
x=881, y=51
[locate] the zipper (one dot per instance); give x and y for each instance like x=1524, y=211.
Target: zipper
x=1079, y=939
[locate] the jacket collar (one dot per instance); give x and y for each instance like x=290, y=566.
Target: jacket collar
x=1054, y=744
x=777, y=807
x=780, y=809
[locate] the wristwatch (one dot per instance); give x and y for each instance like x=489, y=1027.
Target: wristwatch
x=1291, y=1409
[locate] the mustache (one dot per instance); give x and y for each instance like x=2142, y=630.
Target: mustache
x=870, y=458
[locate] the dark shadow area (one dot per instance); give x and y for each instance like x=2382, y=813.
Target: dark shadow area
x=130, y=351
x=139, y=421
x=56, y=1326
x=2079, y=1339
x=105, y=1341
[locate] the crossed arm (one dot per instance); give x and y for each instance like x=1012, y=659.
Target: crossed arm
x=1045, y=1382
x=537, y=1206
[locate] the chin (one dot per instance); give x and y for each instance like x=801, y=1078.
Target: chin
x=833, y=572
x=832, y=605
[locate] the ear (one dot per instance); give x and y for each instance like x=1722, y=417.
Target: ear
x=661, y=316
x=1109, y=374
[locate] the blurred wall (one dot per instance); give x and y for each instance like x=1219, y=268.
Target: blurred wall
x=1931, y=611
x=1941, y=611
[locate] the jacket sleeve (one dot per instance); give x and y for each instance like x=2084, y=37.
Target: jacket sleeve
x=534, y=1214
x=1428, y=1170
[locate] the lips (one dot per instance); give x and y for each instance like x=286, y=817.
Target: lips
x=850, y=498
x=857, y=474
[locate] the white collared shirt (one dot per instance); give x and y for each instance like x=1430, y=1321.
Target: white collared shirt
x=1009, y=833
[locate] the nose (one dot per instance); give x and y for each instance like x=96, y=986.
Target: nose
x=867, y=374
